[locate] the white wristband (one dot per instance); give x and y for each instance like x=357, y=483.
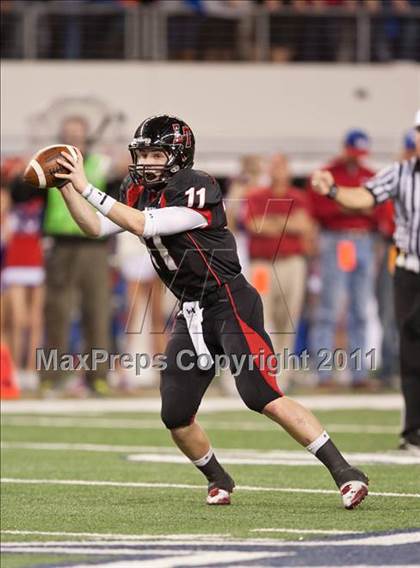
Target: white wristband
x=100, y=200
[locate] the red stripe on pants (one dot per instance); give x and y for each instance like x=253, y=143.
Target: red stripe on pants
x=257, y=346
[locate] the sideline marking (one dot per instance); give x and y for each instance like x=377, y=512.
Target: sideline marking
x=288, y=458
x=113, y=536
x=139, y=484
x=383, y=539
x=306, y=531
x=166, y=454
x=135, y=424
x=328, y=402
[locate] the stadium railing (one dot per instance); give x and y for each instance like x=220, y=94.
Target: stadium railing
x=77, y=30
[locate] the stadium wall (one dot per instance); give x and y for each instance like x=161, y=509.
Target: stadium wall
x=233, y=108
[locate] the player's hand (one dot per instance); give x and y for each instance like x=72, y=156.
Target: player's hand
x=322, y=181
x=76, y=173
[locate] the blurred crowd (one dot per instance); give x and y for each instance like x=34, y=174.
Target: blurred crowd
x=219, y=30
x=324, y=273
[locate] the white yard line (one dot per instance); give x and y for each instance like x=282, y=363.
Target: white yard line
x=71, y=548
x=175, y=564
x=362, y=429
x=133, y=484
x=135, y=424
x=166, y=454
x=305, y=531
x=119, y=537
x=326, y=402
x=386, y=539
x=170, y=553
x=172, y=560
x=54, y=446
x=174, y=537
x=288, y=458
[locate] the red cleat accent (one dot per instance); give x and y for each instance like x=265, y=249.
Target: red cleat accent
x=218, y=496
x=353, y=493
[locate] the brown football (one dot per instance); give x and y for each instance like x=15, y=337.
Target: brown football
x=42, y=167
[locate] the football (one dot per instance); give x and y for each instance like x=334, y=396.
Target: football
x=42, y=167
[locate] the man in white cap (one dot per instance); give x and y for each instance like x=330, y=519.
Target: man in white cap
x=400, y=182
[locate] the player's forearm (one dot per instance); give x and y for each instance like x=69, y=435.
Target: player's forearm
x=167, y=221
x=354, y=198
x=128, y=218
x=81, y=211
x=125, y=217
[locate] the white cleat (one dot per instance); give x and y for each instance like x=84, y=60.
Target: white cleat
x=218, y=496
x=353, y=493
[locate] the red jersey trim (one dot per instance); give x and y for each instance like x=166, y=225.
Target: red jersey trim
x=162, y=200
x=206, y=213
x=133, y=193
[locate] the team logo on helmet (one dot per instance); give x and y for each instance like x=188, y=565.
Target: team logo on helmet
x=182, y=138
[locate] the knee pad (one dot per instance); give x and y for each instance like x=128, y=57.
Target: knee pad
x=256, y=396
x=174, y=419
x=251, y=397
x=176, y=411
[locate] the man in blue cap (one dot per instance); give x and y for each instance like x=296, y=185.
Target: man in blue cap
x=409, y=145
x=398, y=182
x=346, y=268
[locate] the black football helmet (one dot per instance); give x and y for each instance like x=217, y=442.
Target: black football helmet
x=168, y=134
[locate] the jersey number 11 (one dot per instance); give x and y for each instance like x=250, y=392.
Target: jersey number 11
x=192, y=192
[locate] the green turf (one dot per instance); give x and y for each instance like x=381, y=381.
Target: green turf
x=27, y=560
x=127, y=510
x=272, y=438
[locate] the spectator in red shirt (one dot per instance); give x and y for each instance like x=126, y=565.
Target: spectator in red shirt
x=280, y=229
x=251, y=175
x=346, y=264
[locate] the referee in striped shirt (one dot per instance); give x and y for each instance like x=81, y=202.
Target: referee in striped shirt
x=401, y=183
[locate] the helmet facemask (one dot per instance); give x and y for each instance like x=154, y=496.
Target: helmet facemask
x=151, y=175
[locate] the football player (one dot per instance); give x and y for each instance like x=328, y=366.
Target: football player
x=178, y=212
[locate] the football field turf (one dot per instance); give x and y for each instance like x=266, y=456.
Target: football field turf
x=111, y=489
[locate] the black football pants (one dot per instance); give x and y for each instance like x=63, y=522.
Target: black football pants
x=407, y=310
x=233, y=325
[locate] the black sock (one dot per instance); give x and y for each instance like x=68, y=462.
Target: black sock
x=332, y=458
x=214, y=472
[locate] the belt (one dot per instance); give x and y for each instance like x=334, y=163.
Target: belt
x=408, y=261
x=236, y=283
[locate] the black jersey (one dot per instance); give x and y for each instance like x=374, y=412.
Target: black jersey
x=192, y=263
